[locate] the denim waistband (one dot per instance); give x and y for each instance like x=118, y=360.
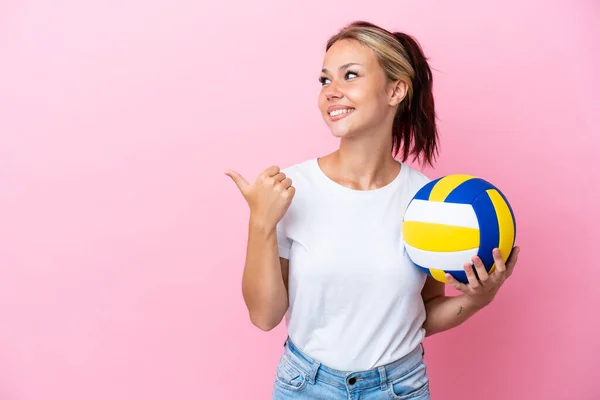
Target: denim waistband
x=378, y=376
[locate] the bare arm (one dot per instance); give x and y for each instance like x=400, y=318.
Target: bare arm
x=264, y=281
x=444, y=312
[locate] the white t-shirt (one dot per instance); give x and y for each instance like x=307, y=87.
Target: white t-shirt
x=354, y=295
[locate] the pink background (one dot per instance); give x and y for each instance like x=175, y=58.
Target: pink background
x=122, y=242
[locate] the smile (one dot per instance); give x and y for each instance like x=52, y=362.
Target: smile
x=340, y=113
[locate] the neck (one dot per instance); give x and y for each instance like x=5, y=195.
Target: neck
x=362, y=162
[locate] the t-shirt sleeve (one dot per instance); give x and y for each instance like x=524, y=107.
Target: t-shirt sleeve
x=283, y=242
x=424, y=180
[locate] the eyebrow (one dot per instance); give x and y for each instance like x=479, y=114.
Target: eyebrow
x=341, y=68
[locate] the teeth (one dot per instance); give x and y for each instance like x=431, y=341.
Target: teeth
x=340, y=112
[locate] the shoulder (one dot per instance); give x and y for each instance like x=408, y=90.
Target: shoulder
x=302, y=175
x=297, y=166
x=306, y=182
x=415, y=179
x=300, y=171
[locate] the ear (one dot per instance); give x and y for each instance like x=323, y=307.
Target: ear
x=397, y=92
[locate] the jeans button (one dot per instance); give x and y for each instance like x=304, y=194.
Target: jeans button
x=352, y=381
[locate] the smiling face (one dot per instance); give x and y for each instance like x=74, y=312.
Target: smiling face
x=356, y=96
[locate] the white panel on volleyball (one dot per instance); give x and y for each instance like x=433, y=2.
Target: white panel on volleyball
x=437, y=212
x=447, y=261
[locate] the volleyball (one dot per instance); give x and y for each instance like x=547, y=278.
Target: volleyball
x=453, y=218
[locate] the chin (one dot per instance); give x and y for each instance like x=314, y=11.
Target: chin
x=339, y=133
x=339, y=129
x=343, y=131
x=345, y=127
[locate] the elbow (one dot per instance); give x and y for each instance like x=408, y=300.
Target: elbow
x=264, y=323
x=429, y=333
x=429, y=329
x=265, y=326
x=266, y=315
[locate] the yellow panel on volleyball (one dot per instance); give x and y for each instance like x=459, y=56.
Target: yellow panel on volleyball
x=446, y=185
x=506, y=223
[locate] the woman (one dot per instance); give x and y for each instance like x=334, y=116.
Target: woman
x=327, y=253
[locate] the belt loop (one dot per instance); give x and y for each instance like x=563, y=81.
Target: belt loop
x=382, y=377
x=313, y=372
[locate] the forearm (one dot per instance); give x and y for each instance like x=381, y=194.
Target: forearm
x=446, y=312
x=262, y=282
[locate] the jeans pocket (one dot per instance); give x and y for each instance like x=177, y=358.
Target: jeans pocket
x=288, y=376
x=412, y=385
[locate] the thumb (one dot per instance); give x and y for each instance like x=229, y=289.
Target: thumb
x=238, y=179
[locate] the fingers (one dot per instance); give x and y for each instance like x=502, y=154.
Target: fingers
x=481, y=271
x=280, y=181
x=473, y=281
x=271, y=177
x=512, y=260
x=286, y=183
x=238, y=179
x=279, y=177
x=289, y=193
x=456, y=284
x=505, y=269
x=285, y=188
x=270, y=172
x=498, y=261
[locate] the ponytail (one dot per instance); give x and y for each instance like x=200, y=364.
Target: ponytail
x=415, y=121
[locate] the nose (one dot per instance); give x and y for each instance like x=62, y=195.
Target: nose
x=332, y=92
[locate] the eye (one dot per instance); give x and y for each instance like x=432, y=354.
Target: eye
x=323, y=80
x=351, y=73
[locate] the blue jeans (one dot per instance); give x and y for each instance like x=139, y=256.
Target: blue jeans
x=300, y=377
